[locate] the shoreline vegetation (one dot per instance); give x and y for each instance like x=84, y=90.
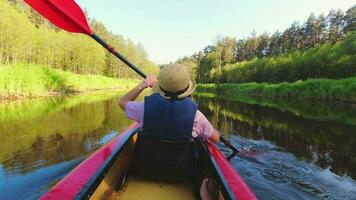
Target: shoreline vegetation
x=342, y=90
x=30, y=81
x=327, y=61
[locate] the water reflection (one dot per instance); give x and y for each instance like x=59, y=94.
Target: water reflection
x=44, y=139
x=325, y=140
x=289, y=150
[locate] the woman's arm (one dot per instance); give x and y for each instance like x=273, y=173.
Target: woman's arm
x=134, y=92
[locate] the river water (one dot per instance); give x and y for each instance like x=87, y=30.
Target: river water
x=288, y=150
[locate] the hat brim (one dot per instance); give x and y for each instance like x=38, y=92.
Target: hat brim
x=190, y=90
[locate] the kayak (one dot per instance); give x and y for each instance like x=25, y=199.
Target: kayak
x=122, y=169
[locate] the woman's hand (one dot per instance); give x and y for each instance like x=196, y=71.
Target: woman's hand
x=133, y=93
x=150, y=81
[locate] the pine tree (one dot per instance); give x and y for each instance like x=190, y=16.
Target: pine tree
x=275, y=44
x=320, y=26
x=336, y=25
x=240, y=50
x=310, y=32
x=350, y=19
x=263, y=45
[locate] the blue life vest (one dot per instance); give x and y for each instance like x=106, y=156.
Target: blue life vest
x=168, y=119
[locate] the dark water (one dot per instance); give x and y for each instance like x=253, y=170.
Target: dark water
x=288, y=150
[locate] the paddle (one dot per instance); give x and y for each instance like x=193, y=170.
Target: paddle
x=67, y=15
x=228, y=144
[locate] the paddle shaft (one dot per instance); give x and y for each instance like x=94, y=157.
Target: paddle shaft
x=117, y=54
x=228, y=144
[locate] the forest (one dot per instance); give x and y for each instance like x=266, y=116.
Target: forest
x=27, y=38
x=321, y=47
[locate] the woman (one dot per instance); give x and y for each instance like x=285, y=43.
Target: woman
x=169, y=113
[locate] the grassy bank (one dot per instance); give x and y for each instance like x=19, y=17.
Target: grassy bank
x=33, y=80
x=313, y=89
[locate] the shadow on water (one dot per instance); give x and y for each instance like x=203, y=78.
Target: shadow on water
x=291, y=151
x=41, y=140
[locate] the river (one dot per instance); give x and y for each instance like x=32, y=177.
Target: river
x=288, y=150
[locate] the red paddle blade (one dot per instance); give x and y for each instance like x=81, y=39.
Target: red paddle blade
x=66, y=14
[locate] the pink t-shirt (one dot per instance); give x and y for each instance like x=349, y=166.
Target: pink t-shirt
x=201, y=126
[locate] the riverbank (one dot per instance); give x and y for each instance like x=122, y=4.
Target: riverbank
x=28, y=81
x=343, y=90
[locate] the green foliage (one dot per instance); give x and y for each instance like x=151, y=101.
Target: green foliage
x=350, y=22
x=33, y=80
x=315, y=89
x=25, y=37
x=326, y=61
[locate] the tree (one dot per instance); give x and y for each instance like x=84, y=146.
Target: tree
x=251, y=46
x=310, y=32
x=240, y=50
x=350, y=19
x=296, y=36
x=320, y=27
x=286, y=41
x=227, y=46
x=336, y=25
x=275, y=44
x=263, y=45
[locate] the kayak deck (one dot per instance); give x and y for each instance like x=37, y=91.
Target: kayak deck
x=138, y=188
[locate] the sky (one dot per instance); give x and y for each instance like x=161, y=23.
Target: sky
x=170, y=29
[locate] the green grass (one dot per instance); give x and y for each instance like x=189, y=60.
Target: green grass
x=313, y=89
x=25, y=80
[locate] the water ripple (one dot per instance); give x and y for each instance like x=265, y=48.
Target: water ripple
x=275, y=174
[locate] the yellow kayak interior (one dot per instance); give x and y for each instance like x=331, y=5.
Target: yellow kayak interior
x=138, y=188
x=135, y=188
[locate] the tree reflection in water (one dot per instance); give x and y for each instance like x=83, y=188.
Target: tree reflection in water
x=311, y=131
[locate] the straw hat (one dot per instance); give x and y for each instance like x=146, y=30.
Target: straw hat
x=174, y=82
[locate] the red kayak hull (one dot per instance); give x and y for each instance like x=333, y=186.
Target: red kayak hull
x=77, y=182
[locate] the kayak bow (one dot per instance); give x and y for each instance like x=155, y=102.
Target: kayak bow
x=104, y=175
